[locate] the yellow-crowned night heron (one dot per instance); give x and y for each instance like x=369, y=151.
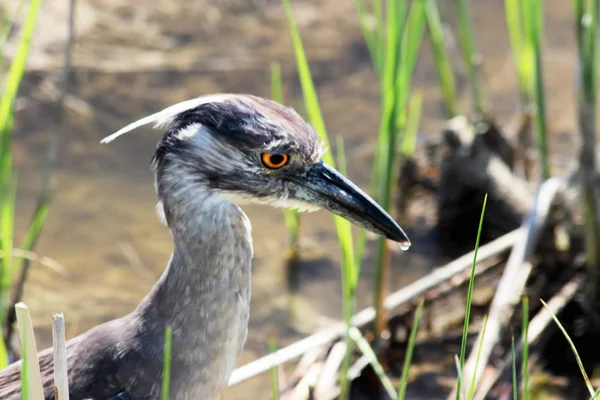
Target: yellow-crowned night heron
x=217, y=151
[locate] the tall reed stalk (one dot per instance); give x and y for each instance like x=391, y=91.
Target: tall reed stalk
x=442, y=58
x=396, y=42
x=10, y=87
x=586, y=26
x=524, y=20
x=470, y=56
x=349, y=269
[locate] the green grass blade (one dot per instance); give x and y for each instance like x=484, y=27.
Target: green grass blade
x=35, y=228
x=534, y=14
x=7, y=183
x=311, y=99
x=466, y=36
x=166, y=381
x=15, y=75
x=472, y=386
x=6, y=235
x=411, y=133
x=514, y=25
x=403, y=41
x=463, y=346
x=525, y=349
x=588, y=383
x=276, y=85
x=350, y=270
x=514, y=370
x=410, y=45
x=409, y=350
x=3, y=355
x=379, y=32
x=442, y=58
x=366, y=349
x=586, y=13
x=8, y=23
x=274, y=374
x=369, y=33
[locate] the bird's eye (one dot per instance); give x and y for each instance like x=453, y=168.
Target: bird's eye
x=274, y=161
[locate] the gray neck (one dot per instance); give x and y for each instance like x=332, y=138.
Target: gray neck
x=204, y=294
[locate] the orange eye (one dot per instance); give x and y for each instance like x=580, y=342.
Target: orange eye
x=274, y=161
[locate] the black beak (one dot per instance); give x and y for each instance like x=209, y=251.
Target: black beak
x=327, y=188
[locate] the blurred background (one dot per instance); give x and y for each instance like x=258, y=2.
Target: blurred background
x=130, y=59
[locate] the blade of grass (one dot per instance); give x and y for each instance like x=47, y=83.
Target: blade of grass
x=463, y=346
x=409, y=350
x=8, y=23
x=586, y=24
x=442, y=59
x=366, y=349
x=472, y=386
x=369, y=33
x=166, y=381
x=588, y=383
x=350, y=270
x=7, y=183
x=274, y=374
x=467, y=44
x=403, y=41
x=409, y=50
x=525, y=349
x=409, y=141
x=27, y=245
x=3, y=355
x=6, y=235
x=514, y=25
x=534, y=15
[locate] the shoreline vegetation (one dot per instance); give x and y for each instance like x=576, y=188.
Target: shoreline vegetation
x=528, y=233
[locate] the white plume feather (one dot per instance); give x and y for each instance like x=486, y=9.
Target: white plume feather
x=166, y=116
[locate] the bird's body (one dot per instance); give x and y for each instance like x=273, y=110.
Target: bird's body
x=211, y=157
x=207, y=335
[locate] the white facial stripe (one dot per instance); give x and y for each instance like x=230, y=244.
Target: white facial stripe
x=213, y=150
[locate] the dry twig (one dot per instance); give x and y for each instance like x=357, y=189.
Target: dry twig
x=411, y=292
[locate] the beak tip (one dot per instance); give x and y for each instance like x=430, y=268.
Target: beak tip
x=402, y=239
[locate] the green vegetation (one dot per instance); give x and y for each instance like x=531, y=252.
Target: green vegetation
x=586, y=27
x=524, y=20
x=442, y=59
x=167, y=363
x=10, y=87
x=463, y=347
x=350, y=269
x=466, y=36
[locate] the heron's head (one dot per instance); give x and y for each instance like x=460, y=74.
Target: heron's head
x=248, y=149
